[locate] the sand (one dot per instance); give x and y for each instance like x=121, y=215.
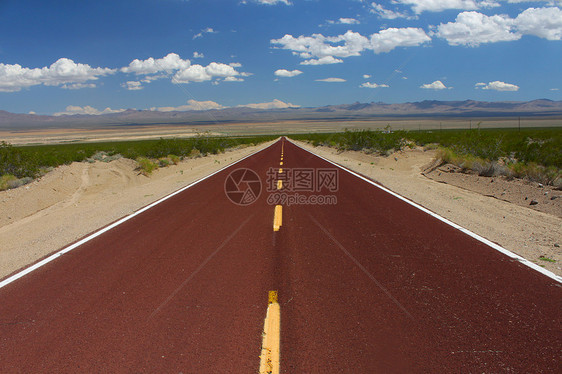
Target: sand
x=74, y=200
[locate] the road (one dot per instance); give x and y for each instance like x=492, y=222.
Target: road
x=366, y=283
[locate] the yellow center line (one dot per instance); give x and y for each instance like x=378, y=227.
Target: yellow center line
x=279, y=184
x=280, y=170
x=270, y=352
x=281, y=163
x=277, y=217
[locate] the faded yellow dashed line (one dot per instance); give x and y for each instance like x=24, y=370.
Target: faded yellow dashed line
x=279, y=184
x=277, y=217
x=280, y=170
x=270, y=358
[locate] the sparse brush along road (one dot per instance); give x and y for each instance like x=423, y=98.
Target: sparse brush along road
x=365, y=283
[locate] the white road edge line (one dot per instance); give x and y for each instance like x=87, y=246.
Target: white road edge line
x=495, y=246
x=56, y=255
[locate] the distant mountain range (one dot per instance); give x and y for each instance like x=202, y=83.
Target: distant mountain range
x=344, y=112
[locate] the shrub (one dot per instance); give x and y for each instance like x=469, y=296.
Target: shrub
x=174, y=159
x=146, y=166
x=9, y=181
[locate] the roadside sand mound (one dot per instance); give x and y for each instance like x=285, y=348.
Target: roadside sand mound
x=520, y=228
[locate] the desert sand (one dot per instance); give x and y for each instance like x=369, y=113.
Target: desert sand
x=74, y=200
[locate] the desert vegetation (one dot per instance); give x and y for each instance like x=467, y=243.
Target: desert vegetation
x=532, y=153
x=20, y=165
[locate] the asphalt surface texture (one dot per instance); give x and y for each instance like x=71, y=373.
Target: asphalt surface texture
x=366, y=283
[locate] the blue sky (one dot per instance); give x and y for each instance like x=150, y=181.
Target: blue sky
x=102, y=56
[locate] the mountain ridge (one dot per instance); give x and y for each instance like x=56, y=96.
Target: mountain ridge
x=353, y=111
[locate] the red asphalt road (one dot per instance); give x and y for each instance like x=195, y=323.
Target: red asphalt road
x=368, y=285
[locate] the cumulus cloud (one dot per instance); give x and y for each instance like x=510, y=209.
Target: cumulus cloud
x=419, y=6
x=319, y=49
x=437, y=85
x=191, y=105
x=320, y=46
x=345, y=21
x=286, y=73
x=198, y=55
x=331, y=80
x=366, y=76
x=543, y=22
x=374, y=85
x=473, y=28
x=387, y=40
x=497, y=86
x=199, y=73
x=132, y=85
x=275, y=104
x=272, y=2
x=382, y=12
x=168, y=64
x=73, y=110
x=326, y=60
x=64, y=72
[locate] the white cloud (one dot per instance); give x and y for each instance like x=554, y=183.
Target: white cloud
x=543, y=22
x=132, y=85
x=387, y=40
x=273, y=2
x=286, y=73
x=64, y=72
x=151, y=78
x=233, y=79
x=374, y=85
x=554, y=89
x=198, y=73
x=331, y=80
x=366, y=76
x=419, y=6
x=382, y=12
x=72, y=110
x=497, y=86
x=275, y=104
x=320, y=46
x=473, y=28
x=319, y=49
x=348, y=21
x=235, y=64
x=437, y=85
x=191, y=105
x=208, y=30
x=198, y=55
x=326, y=60
x=78, y=86
x=168, y=64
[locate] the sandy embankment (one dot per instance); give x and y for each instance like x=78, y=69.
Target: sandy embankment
x=518, y=227
x=74, y=200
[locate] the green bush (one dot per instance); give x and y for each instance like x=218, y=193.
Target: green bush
x=146, y=166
